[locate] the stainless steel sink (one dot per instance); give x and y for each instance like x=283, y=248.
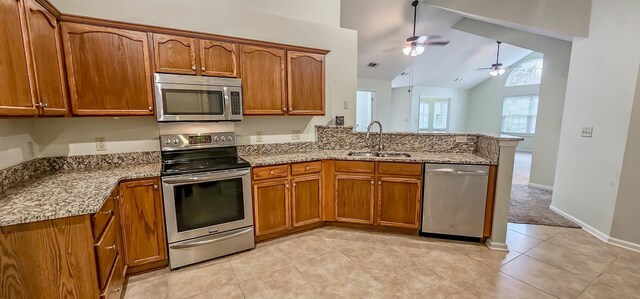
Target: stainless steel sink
x=394, y=155
x=375, y=154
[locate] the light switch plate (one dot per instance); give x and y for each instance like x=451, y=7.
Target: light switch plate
x=295, y=134
x=587, y=132
x=258, y=136
x=346, y=104
x=31, y=149
x=101, y=144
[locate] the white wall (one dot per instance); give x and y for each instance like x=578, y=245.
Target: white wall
x=310, y=23
x=382, y=100
x=405, y=111
x=485, y=104
x=15, y=134
x=561, y=19
x=625, y=218
x=600, y=93
x=552, y=90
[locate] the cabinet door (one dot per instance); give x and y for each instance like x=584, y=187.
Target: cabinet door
x=174, y=54
x=354, y=198
x=263, y=80
x=108, y=70
x=305, y=83
x=46, y=48
x=271, y=206
x=306, y=200
x=218, y=59
x=399, y=202
x=15, y=84
x=142, y=218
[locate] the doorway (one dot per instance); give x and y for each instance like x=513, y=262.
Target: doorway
x=365, y=108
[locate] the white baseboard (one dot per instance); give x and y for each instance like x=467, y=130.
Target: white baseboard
x=544, y=187
x=597, y=233
x=497, y=246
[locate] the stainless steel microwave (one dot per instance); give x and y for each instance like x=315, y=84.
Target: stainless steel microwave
x=196, y=98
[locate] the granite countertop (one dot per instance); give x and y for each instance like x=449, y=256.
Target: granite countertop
x=67, y=193
x=445, y=158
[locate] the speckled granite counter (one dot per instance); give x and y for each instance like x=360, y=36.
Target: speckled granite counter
x=428, y=157
x=66, y=193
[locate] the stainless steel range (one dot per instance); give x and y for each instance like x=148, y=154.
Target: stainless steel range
x=207, y=197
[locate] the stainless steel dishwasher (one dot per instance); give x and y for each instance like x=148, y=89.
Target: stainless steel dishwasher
x=454, y=199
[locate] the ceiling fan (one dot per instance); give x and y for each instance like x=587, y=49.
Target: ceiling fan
x=415, y=45
x=496, y=68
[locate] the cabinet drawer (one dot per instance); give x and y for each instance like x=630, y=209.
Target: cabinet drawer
x=100, y=219
x=355, y=166
x=106, y=251
x=304, y=168
x=413, y=169
x=113, y=288
x=270, y=172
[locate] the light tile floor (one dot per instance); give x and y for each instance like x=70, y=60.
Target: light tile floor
x=331, y=262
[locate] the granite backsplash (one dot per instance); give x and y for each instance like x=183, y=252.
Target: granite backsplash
x=14, y=175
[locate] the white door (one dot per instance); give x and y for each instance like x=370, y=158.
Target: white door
x=364, y=109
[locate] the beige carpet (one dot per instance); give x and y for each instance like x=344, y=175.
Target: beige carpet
x=531, y=206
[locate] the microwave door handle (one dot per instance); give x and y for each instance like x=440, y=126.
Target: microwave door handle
x=227, y=103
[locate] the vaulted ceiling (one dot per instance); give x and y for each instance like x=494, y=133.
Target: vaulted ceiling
x=384, y=25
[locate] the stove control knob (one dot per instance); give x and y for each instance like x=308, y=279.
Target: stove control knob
x=167, y=141
x=223, y=138
x=175, y=140
x=229, y=138
x=215, y=138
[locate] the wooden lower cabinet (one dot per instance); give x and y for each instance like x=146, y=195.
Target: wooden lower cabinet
x=143, y=230
x=399, y=202
x=271, y=206
x=306, y=199
x=355, y=196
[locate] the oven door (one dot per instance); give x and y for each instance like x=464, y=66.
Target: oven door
x=207, y=203
x=185, y=102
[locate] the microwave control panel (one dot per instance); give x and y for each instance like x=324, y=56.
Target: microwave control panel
x=203, y=140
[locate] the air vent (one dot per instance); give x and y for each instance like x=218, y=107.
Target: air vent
x=404, y=74
x=372, y=64
x=457, y=80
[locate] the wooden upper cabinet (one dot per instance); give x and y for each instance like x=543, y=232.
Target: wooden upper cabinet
x=48, y=66
x=174, y=54
x=399, y=202
x=108, y=69
x=354, y=198
x=16, y=86
x=305, y=83
x=306, y=199
x=263, y=80
x=142, y=217
x=218, y=59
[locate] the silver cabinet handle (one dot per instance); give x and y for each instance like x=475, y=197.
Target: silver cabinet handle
x=307, y=168
x=112, y=247
x=284, y=109
x=150, y=108
x=109, y=212
x=193, y=68
x=372, y=182
x=202, y=68
x=155, y=186
x=272, y=172
x=205, y=242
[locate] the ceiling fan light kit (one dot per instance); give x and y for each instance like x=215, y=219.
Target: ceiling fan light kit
x=496, y=68
x=416, y=44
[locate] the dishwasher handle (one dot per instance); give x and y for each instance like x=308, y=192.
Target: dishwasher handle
x=449, y=171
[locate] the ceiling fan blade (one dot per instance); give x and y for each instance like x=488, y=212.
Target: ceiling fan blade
x=436, y=43
x=484, y=68
x=422, y=39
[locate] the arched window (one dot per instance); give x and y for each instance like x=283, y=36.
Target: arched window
x=527, y=73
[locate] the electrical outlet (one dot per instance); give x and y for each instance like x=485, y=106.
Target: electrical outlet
x=461, y=139
x=101, y=144
x=587, y=132
x=346, y=104
x=32, y=151
x=295, y=134
x=258, y=136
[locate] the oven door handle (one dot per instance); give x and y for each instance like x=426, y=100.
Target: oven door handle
x=206, y=178
x=206, y=242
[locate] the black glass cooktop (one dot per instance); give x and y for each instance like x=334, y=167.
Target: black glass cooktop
x=202, y=160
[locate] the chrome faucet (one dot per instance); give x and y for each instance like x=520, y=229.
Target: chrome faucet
x=380, y=146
